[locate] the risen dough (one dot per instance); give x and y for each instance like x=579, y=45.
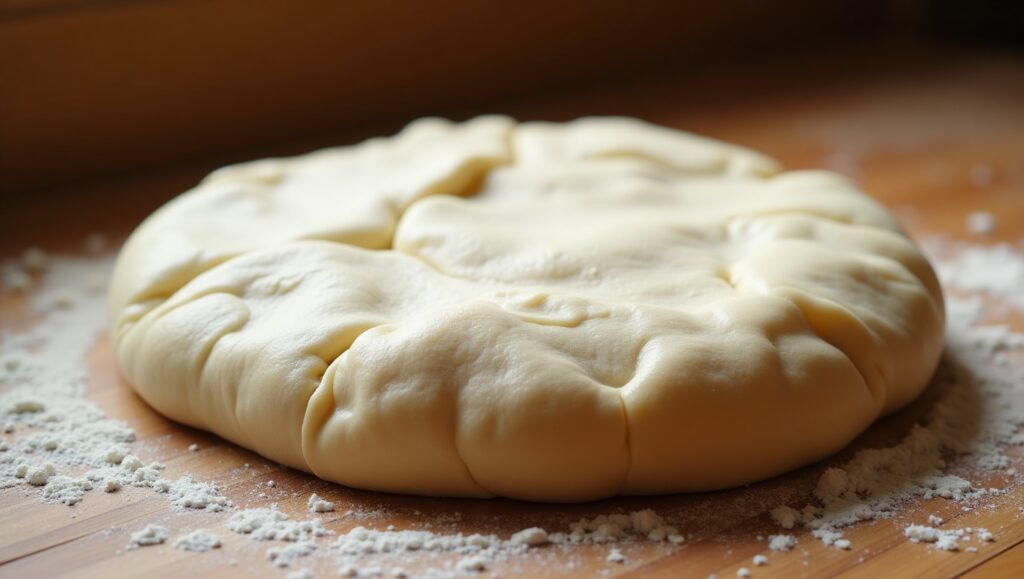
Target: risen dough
x=541, y=311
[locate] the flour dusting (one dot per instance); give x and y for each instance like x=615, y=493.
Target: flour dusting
x=59, y=447
x=62, y=442
x=974, y=418
x=198, y=541
x=147, y=537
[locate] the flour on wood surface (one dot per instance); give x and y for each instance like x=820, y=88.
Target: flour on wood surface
x=609, y=528
x=63, y=443
x=359, y=543
x=317, y=504
x=150, y=535
x=286, y=555
x=781, y=543
x=974, y=416
x=996, y=270
x=945, y=540
x=60, y=446
x=273, y=525
x=472, y=564
x=198, y=541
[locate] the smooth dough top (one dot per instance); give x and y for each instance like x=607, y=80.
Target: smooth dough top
x=552, y=312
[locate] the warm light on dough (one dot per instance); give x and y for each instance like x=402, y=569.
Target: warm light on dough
x=554, y=312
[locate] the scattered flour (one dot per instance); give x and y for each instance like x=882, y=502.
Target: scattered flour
x=273, y=525
x=781, y=543
x=198, y=541
x=319, y=505
x=62, y=443
x=995, y=270
x=973, y=417
x=481, y=551
x=37, y=475
x=948, y=543
x=981, y=223
x=943, y=540
x=473, y=564
x=610, y=528
x=62, y=446
x=147, y=537
x=188, y=494
x=360, y=541
x=284, y=556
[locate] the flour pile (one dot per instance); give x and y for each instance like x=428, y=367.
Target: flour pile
x=946, y=540
x=63, y=444
x=147, y=537
x=198, y=541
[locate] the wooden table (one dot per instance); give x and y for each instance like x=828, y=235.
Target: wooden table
x=909, y=128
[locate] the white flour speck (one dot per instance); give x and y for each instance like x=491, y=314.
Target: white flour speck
x=147, y=537
x=198, y=541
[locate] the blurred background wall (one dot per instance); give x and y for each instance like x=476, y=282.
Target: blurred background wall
x=94, y=88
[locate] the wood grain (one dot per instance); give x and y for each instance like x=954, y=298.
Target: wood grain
x=909, y=129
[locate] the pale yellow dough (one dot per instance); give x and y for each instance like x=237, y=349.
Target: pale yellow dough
x=552, y=312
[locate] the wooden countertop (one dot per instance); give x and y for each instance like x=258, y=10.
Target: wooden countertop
x=910, y=129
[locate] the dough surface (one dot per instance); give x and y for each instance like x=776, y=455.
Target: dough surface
x=550, y=312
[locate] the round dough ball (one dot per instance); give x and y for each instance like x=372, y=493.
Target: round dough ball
x=551, y=312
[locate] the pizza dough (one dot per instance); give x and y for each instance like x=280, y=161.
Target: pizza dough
x=551, y=312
